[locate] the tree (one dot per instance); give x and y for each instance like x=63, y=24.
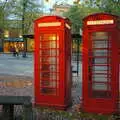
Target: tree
x=14, y=11
x=2, y=20
x=77, y=13
x=87, y=7
x=2, y=13
x=111, y=6
x=26, y=11
x=18, y=14
x=1, y=17
x=74, y=15
x=108, y=6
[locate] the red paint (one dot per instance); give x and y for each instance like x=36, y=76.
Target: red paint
x=52, y=62
x=101, y=43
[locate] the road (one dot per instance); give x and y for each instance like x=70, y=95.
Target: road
x=16, y=65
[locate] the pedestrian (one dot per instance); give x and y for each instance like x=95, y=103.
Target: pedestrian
x=24, y=54
x=14, y=51
x=10, y=49
x=17, y=51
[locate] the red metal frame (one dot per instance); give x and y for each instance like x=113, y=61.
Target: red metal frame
x=52, y=62
x=100, y=63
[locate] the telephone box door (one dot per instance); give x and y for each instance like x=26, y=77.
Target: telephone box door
x=50, y=71
x=102, y=78
x=100, y=65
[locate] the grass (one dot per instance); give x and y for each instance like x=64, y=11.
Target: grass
x=74, y=115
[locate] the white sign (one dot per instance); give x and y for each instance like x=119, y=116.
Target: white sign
x=49, y=24
x=68, y=26
x=100, y=22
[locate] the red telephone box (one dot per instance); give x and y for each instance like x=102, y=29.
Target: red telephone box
x=101, y=43
x=53, y=62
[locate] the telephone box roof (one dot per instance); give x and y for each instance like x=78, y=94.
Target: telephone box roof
x=51, y=18
x=99, y=14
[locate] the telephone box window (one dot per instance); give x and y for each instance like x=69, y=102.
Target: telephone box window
x=49, y=64
x=101, y=60
x=98, y=52
x=99, y=65
x=100, y=77
x=99, y=86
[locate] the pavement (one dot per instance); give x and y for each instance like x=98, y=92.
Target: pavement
x=16, y=65
x=17, y=77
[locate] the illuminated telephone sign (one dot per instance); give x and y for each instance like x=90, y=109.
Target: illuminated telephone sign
x=53, y=62
x=101, y=43
x=100, y=22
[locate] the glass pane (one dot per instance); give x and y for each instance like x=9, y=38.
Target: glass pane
x=52, y=44
x=101, y=77
x=49, y=91
x=52, y=60
x=49, y=60
x=45, y=45
x=99, y=68
x=101, y=60
x=49, y=76
x=54, y=76
x=48, y=37
x=44, y=75
x=54, y=68
x=47, y=83
x=52, y=37
x=54, y=52
x=50, y=68
x=44, y=67
x=44, y=52
x=100, y=52
x=99, y=86
x=49, y=52
x=44, y=60
x=100, y=36
x=100, y=44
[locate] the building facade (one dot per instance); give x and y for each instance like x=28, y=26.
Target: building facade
x=12, y=39
x=60, y=9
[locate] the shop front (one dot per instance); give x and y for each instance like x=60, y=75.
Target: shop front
x=11, y=43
